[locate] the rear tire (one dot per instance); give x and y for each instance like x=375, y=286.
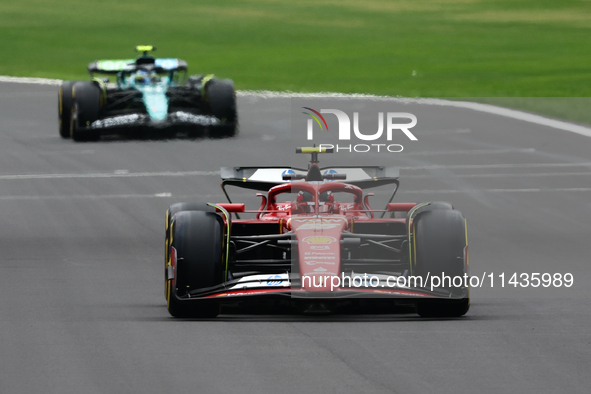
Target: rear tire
x=64, y=108
x=427, y=207
x=86, y=106
x=197, y=238
x=222, y=102
x=441, y=241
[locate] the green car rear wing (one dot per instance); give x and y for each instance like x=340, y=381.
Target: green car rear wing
x=117, y=65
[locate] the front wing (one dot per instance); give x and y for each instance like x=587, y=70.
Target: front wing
x=279, y=286
x=137, y=120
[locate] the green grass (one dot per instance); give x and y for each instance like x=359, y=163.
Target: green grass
x=425, y=48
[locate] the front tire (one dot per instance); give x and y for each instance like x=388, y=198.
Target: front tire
x=441, y=250
x=64, y=108
x=197, y=262
x=170, y=212
x=86, y=106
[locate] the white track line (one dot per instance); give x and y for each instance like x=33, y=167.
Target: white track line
x=471, y=151
x=123, y=174
x=108, y=197
x=116, y=174
x=83, y=196
x=38, y=81
x=500, y=165
x=491, y=109
x=512, y=175
x=169, y=195
x=452, y=191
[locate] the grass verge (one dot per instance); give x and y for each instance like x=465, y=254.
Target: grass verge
x=431, y=48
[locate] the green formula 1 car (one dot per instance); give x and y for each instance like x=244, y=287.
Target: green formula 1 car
x=150, y=94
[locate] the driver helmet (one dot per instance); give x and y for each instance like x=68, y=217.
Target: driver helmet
x=302, y=200
x=154, y=78
x=142, y=77
x=327, y=197
x=304, y=196
x=327, y=200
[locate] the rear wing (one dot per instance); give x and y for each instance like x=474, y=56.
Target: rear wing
x=264, y=178
x=117, y=65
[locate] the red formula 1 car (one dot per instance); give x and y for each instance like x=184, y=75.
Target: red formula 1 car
x=315, y=244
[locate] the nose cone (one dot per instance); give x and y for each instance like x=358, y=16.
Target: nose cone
x=156, y=102
x=319, y=249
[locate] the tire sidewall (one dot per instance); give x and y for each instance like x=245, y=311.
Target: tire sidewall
x=86, y=107
x=440, y=241
x=221, y=97
x=170, y=213
x=65, y=108
x=197, y=238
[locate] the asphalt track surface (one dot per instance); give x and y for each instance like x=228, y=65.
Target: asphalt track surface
x=81, y=234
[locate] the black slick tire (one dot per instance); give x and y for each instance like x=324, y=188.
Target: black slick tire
x=170, y=212
x=221, y=96
x=440, y=245
x=197, y=242
x=86, y=106
x=64, y=108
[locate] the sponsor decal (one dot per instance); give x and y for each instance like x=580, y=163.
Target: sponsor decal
x=319, y=239
x=243, y=293
x=287, y=172
x=320, y=269
x=317, y=226
x=202, y=120
x=330, y=172
x=116, y=121
x=168, y=64
x=274, y=280
x=253, y=281
x=114, y=65
x=319, y=247
x=319, y=258
x=320, y=262
x=320, y=220
x=321, y=273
